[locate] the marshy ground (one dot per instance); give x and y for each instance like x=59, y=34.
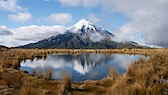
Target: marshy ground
x=141, y=78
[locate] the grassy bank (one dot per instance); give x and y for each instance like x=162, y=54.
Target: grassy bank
x=141, y=78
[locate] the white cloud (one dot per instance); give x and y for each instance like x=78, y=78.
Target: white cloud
x=93, y=18
x=4, y=31
x=29, y=34
x=89, y=3
x=20, y=16
x=37, y=32
x=70, y=2
x=147, y=17
x=95, y=37
x=84, y=3
x=60, y=18
x=10, y=5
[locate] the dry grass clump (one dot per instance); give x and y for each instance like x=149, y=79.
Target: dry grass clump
x=118, y=87
x=113, y=74
x=15, y=64
x=41, y=74
x=13, y=80
x=140, y=73
x=66, y=88
x=10, y=63
x=48, y=73
x=4, y=63
x=29, y=91
x=33, y=72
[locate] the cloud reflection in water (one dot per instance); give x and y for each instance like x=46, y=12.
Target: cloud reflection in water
x=81, y=66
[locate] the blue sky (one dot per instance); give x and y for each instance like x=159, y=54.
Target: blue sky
x=140, y=21
x=41, y=9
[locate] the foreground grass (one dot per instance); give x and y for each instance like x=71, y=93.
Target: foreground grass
x=141, y=78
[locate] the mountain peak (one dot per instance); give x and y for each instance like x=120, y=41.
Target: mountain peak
x=82, y=24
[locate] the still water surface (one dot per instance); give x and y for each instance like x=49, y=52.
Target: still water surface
x=90, y=66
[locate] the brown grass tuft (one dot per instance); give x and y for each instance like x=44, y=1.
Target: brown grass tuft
x=66, y=89
x=13, y=80
x=33, y=72
x=48, y=73
x=40, y=74
x=30, y=91
x=113, y=74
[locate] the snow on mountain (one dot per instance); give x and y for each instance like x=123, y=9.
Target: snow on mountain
x=86, y=29
x=82, y=24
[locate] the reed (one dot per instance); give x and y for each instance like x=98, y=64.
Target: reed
x=66, y=88
x=113, y=74
x=48, y=73
x=33, y=72
x=40, y=74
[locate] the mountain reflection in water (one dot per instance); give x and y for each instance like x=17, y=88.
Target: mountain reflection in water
x=89, y=66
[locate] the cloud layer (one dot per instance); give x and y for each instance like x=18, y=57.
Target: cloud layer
x=148, y=18
x=28, y=34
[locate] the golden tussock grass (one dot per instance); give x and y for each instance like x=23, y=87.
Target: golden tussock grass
x=33, y=72
x=113, y=74
x=48, y=73
x=29, y=91
x=66, y=86
x=42, y=74
x=141, y=78
x=13, y=80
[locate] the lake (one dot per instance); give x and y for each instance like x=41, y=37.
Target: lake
x=82, y=66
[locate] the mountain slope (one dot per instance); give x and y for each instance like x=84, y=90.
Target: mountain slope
x=84, y=35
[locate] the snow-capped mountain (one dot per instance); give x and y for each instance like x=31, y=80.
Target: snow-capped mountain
x=86, y=29
x=83, y=34
x=82, y=24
